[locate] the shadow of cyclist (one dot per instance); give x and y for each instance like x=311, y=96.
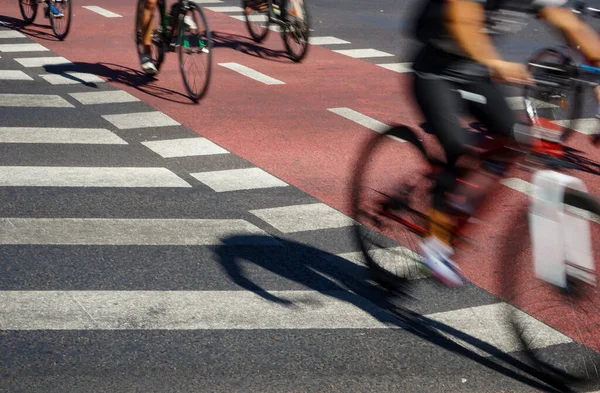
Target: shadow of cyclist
x=33, y=29
x=121, y=75
x=245, y=45
x=349, y=282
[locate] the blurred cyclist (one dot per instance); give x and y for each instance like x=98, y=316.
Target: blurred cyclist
x=457, y=67
x=147, y=26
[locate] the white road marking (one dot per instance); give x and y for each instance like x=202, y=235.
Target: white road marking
x=128, y=232
x=53, y=176
x=585, y=126
x=253, y=74
x=11, y=34
x=363, y=53
x=101, y=11
x=327, y=40
x=59, y=135
x=14, y=75
x=104, y=97
x=398, y=67
x=140, y=120
x=361, y=119
x=299, y=218
x=184, y=147
x=224, y=9
x=239, y=179
x=11, y=48
x=34, y=101
x=71, y=78
x=30, y=62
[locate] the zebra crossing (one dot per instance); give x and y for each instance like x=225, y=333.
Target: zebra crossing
x=118, y=218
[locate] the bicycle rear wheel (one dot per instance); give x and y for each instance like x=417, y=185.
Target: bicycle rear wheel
x=158, y=48
x=61, y=26
x=296, y=33
x=29, y=10
x=257, y=21
x=563, y=337
x=195, y=51
x=552, y=107
x=390, y=196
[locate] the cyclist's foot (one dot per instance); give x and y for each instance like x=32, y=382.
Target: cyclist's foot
x=56, y=13
x=148, y=65
x=436, y=255
x=189, y=23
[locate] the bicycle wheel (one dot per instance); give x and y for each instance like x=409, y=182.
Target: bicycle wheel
x=29, y=10
x=390, y=196
x=61, y=26
x=557, y=329
x=195, y=47
x=257, y=21
x=295, y=34
x=158, y=48
x=552, y=107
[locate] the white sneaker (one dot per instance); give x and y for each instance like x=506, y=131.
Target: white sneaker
x=437, y=258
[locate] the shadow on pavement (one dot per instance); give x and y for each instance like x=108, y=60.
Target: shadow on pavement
x=121, y=75
x=247, y=46
x=349, y=282
x=33, y=30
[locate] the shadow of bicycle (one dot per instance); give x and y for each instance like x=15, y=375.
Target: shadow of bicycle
x=350, y=282
x=34, y=30
x=246, y=46
x=119, y=74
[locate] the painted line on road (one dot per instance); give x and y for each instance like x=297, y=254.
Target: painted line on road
x=185, y=310
x=208, y=1
x=71, y=78
x=361, y=119
x=104, y=97
x=101, y=11
x=11, y=34
x=398, y=67
x=30, y=62
x=225, y=9
x=140, y=120
x=14, y=75
x=389, y=259
x=239, y=179
x=51, y=176
x=327, y=40
x=253, y=74
x=257, y=18
x=129, y=232
x=300, y=218
x=585, y=126
x=11, y=48
x=96, y=136
x=34, y=101
x=184, y=147
x=517, y=103
x=363, y=53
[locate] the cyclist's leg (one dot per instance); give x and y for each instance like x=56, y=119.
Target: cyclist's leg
x=441, y=106
x=147, y=23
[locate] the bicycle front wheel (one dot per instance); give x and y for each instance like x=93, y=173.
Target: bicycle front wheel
x=390, y=196
x=29, y=10
x=257, y=20
x=61, y=26
x=195, y=51
x=558, y=328
x=296, y=33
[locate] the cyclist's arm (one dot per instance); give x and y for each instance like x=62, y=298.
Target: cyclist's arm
x=465, y=21
x=576, y=31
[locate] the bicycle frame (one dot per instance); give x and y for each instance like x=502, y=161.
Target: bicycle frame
x=170, y=22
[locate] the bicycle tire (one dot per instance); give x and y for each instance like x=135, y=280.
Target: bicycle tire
x=34, y=9
x=574, y=103
x=394, y=266
x=68, y=13
x=304, y=35
x=195, y=95
x=567, y=355
x=257, y=37
x=157, y=38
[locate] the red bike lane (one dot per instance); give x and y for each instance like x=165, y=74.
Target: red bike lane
x=287, y=129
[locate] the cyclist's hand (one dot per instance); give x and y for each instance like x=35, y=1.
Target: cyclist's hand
x=509, y=72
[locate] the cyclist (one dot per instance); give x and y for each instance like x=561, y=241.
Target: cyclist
x=51, y=9
x=459, y=59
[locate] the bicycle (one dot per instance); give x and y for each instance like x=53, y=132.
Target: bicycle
x=294, y=32
x=185, y=30
x=558, y=103
x=392, y=214
x=29, y=10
